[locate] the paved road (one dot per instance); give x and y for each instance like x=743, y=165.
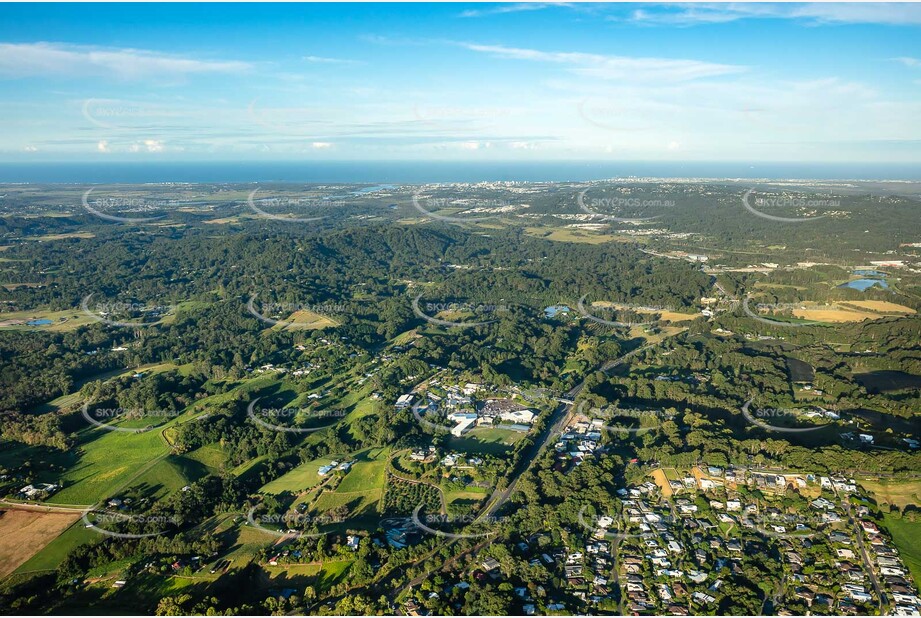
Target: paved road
x=555, y=426
x=865, y=556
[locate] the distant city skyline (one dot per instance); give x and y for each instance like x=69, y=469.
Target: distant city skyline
x=461, y=82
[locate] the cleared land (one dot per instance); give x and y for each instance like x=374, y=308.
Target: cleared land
x=851, y=311
x=306, y=320
x=900, y=494
x=24, y=533
x=60, y=320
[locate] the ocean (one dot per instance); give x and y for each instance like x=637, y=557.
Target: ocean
x=409, y=172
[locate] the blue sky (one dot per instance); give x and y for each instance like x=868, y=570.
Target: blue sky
x=669, y=82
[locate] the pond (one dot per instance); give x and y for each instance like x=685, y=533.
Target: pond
x=864, y=284
x=40, y=322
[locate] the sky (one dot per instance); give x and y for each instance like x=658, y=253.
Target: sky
x=460, y=82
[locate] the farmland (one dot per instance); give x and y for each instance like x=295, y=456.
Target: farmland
x=24, y=533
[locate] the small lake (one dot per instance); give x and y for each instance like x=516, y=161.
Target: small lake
x=864, y=284
x=40, y=322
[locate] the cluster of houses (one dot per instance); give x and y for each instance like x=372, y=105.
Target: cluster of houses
x=579, y=440
x=674, y=551
x=894, y=578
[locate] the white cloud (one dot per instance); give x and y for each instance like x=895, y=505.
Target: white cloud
x=815, y=12
x=474, y=145
x=30, y=148
x=512, y=8
x=673, y=146
x=909, y=62
x=322, y=145
x=614, y=67
x=30, y=59
x=102, y=146
x=150, y=145
x=325, y=60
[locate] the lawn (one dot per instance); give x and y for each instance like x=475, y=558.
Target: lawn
x=368, y=472
x=907, y=537
x=299, y=479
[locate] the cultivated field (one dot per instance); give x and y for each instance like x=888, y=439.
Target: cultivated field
x=24, y=533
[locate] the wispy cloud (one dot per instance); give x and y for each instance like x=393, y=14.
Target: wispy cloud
x=909, y=62
x=813, y=12
x=601, y=66
x=325, y=60
x=501, y=9
x=42, y=59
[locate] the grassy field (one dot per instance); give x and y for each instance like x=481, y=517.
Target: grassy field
x=61, y=321
x=167, y=476
x=107, y=461
x=851, y=311
x=306, y=320
x=486, y=440
x=368, y=472
x=48, y=237
x=898, y=493
x=360, y=503
x=907, y=537
x=53, y=554
x=321, y=577
x=571, y=235
x=210, y=456
x=24, y=533
x=299, y=479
